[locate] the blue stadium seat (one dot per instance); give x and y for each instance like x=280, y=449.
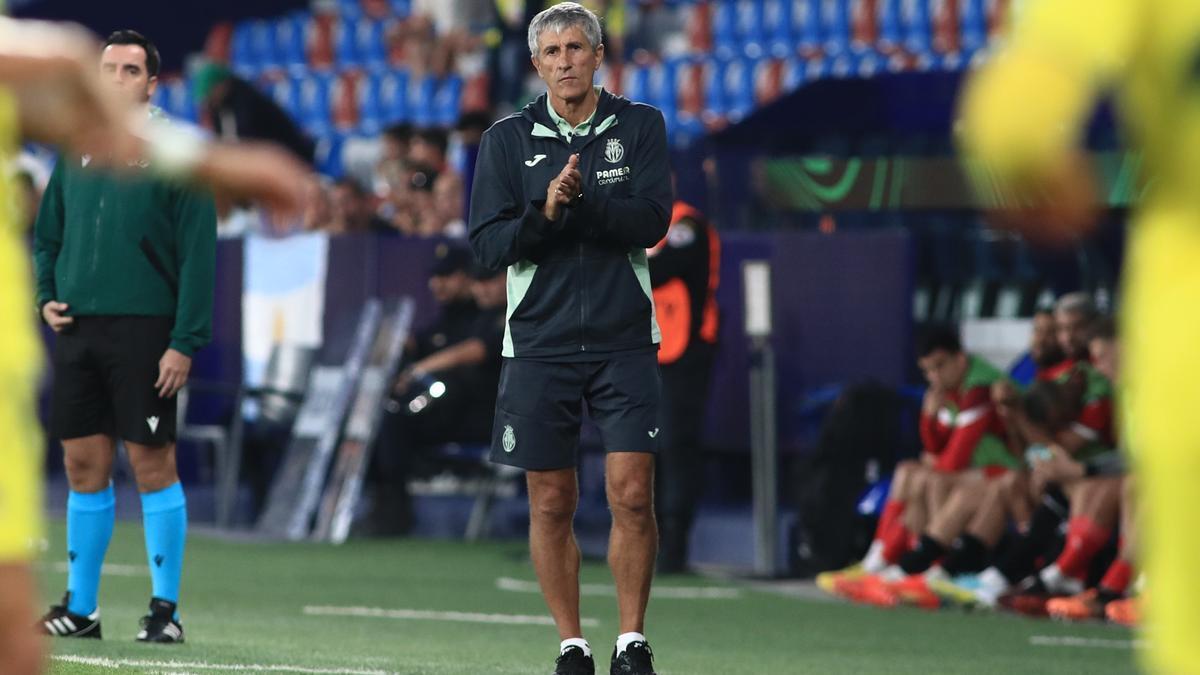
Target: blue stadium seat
x=737, y=80
x=448, y=101
x=972, y=15
x=369, y=43
x=751, y=31
x=806, y=24
x=835, y=26
x=401, y=8
x=345, y=47
x=239, y=43
x=349, y=9
x=891, y=35
x=290, y=40
x=914, y=22
x=724, y=28
x=262, y=45
x=421, y=94
x=660, y=87
x=328, y=155
x=715, y=103
x=179, y=100
x=313, y=102
x=286, y=92
x=393, y=96
x=777, y=20
x=686, y=130
x=818, y=68
x=370, y=112
x=635, y=82
x=793, y=73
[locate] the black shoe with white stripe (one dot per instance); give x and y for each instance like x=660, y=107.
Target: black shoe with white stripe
x=637, y=659
x=160, y=624
x=61, y=622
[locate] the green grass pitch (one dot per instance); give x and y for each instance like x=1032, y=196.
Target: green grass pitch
x=437, y=608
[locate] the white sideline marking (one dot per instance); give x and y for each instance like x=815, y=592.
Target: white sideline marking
x=429, y=615
x=607, y=590
x=118, y=664
x=110, y=569
x=1096, y=643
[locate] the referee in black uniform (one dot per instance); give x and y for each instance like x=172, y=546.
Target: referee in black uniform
x=569, y=193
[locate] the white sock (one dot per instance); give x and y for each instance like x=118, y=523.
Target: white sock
x=575, y=642
x=1059, y=583
x=626, y=639
x=874, y=562
x=936, y=573
x=992, y=584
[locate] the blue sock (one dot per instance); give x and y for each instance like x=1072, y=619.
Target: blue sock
x=164, y=518
x=90, y=518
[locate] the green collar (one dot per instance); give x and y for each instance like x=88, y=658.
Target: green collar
x=564, y=127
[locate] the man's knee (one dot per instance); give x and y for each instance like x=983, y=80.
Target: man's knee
x=553, y=502
x=631, y=498
x=88, y=463
x=153, y=467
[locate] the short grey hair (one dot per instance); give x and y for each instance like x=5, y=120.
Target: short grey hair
x=1077, y=303
x=560, y=17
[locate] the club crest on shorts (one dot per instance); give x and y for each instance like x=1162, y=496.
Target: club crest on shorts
x=614, y=151
x=509, y=440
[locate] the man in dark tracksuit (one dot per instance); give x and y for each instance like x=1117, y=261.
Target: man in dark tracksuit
x=125, y=267
x=569, y=193
x=684, y=270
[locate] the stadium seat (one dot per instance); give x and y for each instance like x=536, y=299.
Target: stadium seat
x=369, y=43
x=447, y=101
x=690, y=86
x=313, y=95
x=393, y=96
x=888, y=24
x=286, y=92
x=634, y=82
x=370, y=112
x=751, y=31
x=806, y=25
x=737, y=80
x=349, y=9
x=239, y=43
x=401, y=8
x=792, y=74
x=777, y=20
x=421, y=94
x=972, y=16
x=328, y=153
x=725, y=24
x=768, y=81
x=345, y=46
x=179, y=100
x=289, y=41
x=835, y=26
x=914, y=25
x=662, y=87
x=262, y=45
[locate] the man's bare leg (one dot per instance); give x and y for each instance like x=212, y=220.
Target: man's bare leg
x=633, y=542
x=553, y=496
x=20, y=646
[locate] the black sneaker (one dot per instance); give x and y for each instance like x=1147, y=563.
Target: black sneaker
x=637, y=659
x=160, y=624
x=574, y=662
x=60, y=622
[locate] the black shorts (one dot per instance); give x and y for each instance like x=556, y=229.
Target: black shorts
x=540, y=406
x=105, y=368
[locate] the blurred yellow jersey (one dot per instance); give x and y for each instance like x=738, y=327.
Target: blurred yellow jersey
x=20, y=366
x=1023, y=115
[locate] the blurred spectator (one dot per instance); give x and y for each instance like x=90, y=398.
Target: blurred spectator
x=448, y=210
x=1043, y=353
x=465, y=147
x=395, y=142
x=234, y=108
x=439, y=32
x=446, y=389
x=350, y=210
x=428, y=147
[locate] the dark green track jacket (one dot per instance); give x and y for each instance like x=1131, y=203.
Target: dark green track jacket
x=128, y=244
